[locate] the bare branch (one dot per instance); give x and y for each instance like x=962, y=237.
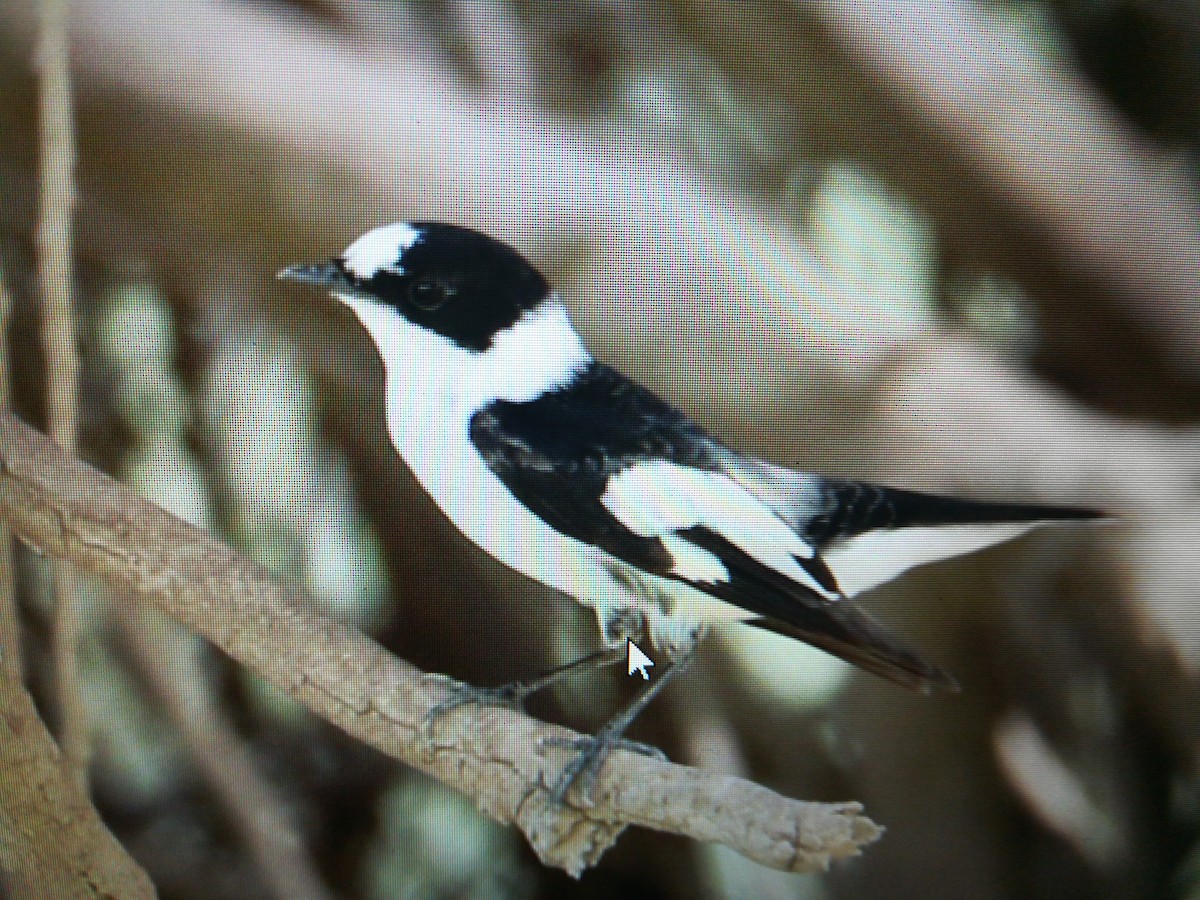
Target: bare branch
x=746, y=283
x=495, y=756
x=54, y=843
x=548, y=185
x=54, y=228
x=58, y=337
x=1026, y=163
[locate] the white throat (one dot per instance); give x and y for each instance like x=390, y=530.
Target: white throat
x=434, y=386
x=540, y=352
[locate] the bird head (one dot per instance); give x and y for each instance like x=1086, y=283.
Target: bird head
x=452, y=281
x=448, y=303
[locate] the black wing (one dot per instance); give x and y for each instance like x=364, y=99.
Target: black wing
x=557, y=455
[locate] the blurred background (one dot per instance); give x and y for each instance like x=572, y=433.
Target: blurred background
x=949, y=246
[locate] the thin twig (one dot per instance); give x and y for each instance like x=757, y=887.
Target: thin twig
x=58, y=337
x=54, y=229
x=258, y=813
x=498, y=757
x=10, y=623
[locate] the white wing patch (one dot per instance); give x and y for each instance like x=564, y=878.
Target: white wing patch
x=659, y=498
x=694, y=563
x=875, y=557
x=379, y=249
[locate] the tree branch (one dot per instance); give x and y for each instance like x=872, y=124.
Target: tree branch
x=52, y=842
x=496, y=756
x=1114, y=203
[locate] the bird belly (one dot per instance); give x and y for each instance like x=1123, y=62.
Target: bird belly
x=453, y=473
x=674, y=614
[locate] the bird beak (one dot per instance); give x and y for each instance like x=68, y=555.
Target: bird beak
x=326, y=274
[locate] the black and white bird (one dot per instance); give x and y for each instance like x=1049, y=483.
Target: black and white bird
x=572, y=474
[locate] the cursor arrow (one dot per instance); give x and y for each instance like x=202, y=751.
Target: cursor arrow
x=638, y=661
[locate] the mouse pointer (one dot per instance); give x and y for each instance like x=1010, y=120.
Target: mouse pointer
x=638, y=661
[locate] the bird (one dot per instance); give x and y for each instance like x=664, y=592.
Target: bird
x=569, y=472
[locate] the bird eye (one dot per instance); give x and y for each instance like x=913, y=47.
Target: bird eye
x=426, y=293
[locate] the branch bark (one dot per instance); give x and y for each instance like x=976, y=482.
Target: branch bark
x=496, y=756
x=1029, y=170
x=54, y=844
x=746, y=281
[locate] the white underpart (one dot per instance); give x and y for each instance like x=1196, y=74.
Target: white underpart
x=876, y=557
x=658, y=498
x=379, y=249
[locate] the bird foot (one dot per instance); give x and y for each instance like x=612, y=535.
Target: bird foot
x=458, y=694
x=590, y=755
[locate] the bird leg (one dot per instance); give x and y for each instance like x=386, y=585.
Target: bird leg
x=514, y=693
x=592, y=751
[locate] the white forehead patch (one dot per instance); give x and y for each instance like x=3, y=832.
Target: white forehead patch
x=380, y=249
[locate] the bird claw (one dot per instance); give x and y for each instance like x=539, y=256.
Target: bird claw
x=460, y=694
x=591, y=752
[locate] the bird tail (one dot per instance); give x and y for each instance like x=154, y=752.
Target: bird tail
x=848, y=633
